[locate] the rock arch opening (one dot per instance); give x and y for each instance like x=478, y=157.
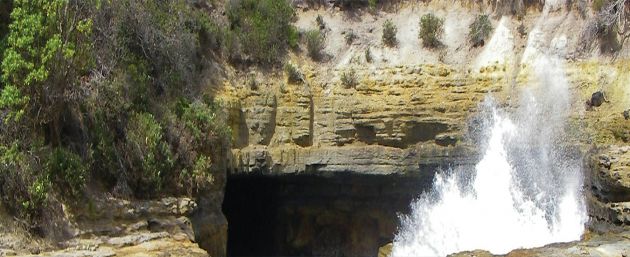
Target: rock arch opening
x=307, y=215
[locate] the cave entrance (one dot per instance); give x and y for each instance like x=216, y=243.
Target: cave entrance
x=306, y=215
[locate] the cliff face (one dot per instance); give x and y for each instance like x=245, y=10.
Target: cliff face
x=394, y=121
x=400, y=124
x=413, y=112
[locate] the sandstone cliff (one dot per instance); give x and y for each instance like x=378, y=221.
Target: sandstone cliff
x=414, y=110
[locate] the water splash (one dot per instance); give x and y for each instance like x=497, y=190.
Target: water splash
x=523, y=193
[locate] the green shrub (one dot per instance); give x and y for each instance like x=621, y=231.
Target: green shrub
x=104, y=157
x=479, y=30
x=389, y=33
x=66, y=169
x=87, y=89
x=201, y=118
x=315, y=41
x=431, y=29
x=164, y=35
x=368, y=55
x=349, y=79
x=202, y=133
x=38, y=195
x=150, y=156
x=263, y=27
x=206, y=123
x=293, y=74
x=33, y=56
x=23, y=190
x=200, y=175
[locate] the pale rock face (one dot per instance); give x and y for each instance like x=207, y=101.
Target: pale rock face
x=500, y=47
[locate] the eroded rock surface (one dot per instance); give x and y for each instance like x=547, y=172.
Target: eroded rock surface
x=115, y=227
x=604, y=245
x=610, y=185
x=393, y=121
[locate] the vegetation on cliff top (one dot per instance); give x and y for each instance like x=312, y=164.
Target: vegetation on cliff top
x=389, y=33
x=431, y=30
x=263, y=28
x=105, y=94
x=480, y=30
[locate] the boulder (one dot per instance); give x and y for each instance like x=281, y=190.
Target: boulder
x=597, y=99
x=386, y=250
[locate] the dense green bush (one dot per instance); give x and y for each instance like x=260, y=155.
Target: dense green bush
x=41, y=70
x=389, y=33
x=199, y=176
x=143, y=153
x=31, y=54
x=87, y=97
x=162, y=36
x=202, y=120
x=148, y=153
x=23, y=187
x=431, y=29
x=479, y=30
x=315, y=43
x=66, y=169
x=262, y=27
x=201, y=133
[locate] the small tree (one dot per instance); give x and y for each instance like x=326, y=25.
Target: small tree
x=431, y=30
x=389, y=33
x=479, y=30
x=315, y=43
